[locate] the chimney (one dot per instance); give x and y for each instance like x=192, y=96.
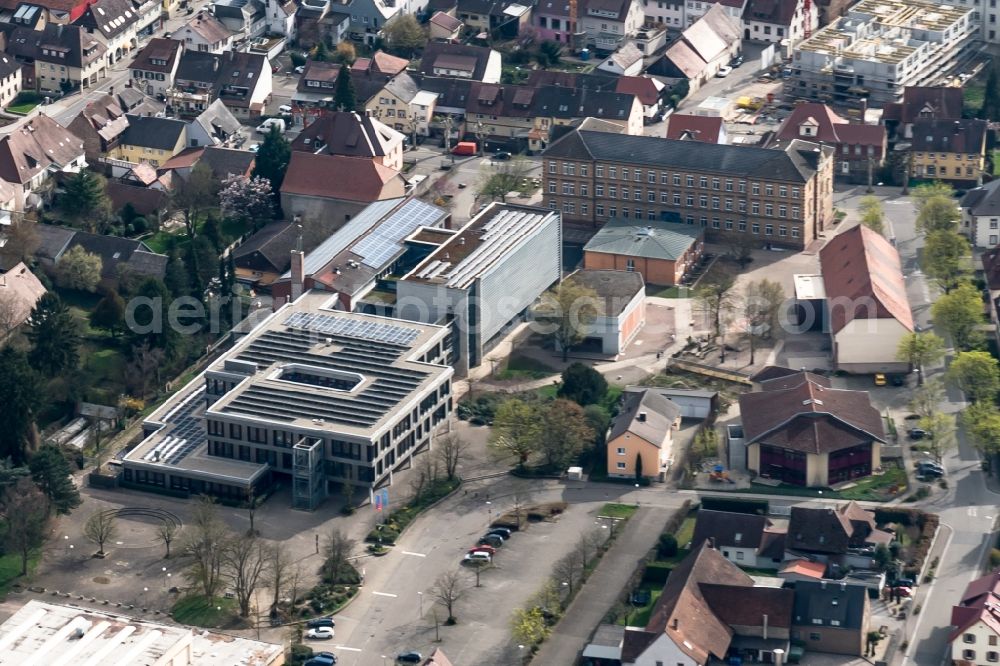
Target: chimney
x=642, y=417
x=764, y=636
x=674, y=624
x=298, y=271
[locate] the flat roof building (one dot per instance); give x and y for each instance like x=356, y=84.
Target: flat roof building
x=313, y=393
x=41, y=632
x=485, y=276
x=877, y=49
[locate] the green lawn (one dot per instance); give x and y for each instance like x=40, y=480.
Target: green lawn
x=667, y=292
x=996, y=162
x=23, y=109
x=876, y=488
x=614, y=510
x=10, y=568
x=639, y=616
x=524, y=368
x=200, y=611
x=972, y=94
x=686, y=531
x=159, y=242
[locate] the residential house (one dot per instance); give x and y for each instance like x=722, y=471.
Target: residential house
x=381, y=63
x=803, y=432
x=777, y=22
x=11, y=79
x=693, y=403
x=368, y=17
x=353, y=135
x=868, y=67
x=776, y=197
x=975, y=623
x=149, y=17
x=100, y=126
x=609, y=23
x=691, y=12
x=445, y=27
x=153, y=69
x=315, y=23
x=648, y=91
x=821, y=532
x=35, y=150
x=640, y=439
x=280, y=17
x=867, y=308
x=387, y=237
x=686, y=127
x=423, y=108
x=626, y=61
x=20, y=290
x=949, y=150
x=706, y=46
x=262, y=258
x=981, y=215
x=316, y=85
x=246, y=19
x=551, y=20
x=150, y=139
x=310, y=194
x=991, y=273
x=920, y=103
x=711, y=611
x=831, y=616
x=797, y=570
x=859, y=149
x=504, y=17
x=151, y=203
x=64, y=55
x=115, y=23
x=663, y=251
x=745, y=539
x=121, y=258
x=241, y=80
x=620, y=308
x=214, y=126
x=226, y=162
x=392, y=104
x=204, y=32
x=485, y=275
x=462, y=61
x=450, y=99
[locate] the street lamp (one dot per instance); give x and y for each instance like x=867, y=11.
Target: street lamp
x=420, y=595
x=489, y=511
x=144, y=591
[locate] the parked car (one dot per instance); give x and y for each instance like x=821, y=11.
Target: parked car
x=320, y=633
x=476, y=557
x=322, y=659
x=880, y=379
x=300, y=69
x=285, y=108
x=321, y=622
x=917, y=433
x=905, y=582
x=490, y=540
x=724, y=71
x=929, y=473
x=265, y=127
x=411, y=657
x=903, y=591
x=501, y=155
x=501, y=531
x=254, y=147
x=483, y=548
x=898, y=380
x=736, y=62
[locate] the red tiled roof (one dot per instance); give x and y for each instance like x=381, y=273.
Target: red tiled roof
x=640, y=86
x=830, y=128
x=863, y=275
x=336, y=177
x=700, y=128
x=805, y=568
x=980, y=603
x=941, y=102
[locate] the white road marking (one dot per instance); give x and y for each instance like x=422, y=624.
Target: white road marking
x=347, y=649
x=971, y=511
x=407, y=552
x=386, y=594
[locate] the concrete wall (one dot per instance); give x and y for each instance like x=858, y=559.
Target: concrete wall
x=653, y=271
x=320, y=208
x=866, y=346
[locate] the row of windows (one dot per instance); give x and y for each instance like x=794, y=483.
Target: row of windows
x=569, y=189
x=970, y=655
x=651, y=214
x=944, y=156
x=933, y=170
x=665, y=178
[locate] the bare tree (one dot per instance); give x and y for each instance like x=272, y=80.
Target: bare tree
x=279, y=571
x=338, y=552
x=25, y=514
x=448, y=589
x=244, y=559
x=207, y=536
x=144, y=366
x=167, y=532
x=451, y=451
x=478, y=567
x=10, y=312
x=22, y=241
x=294, y=583
x=251, y=507
x=424, y=475
x=567, y=571
x=100, y=528
x=520, y=500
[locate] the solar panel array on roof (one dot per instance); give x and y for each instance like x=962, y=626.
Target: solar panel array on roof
x=378, y=247
x=352, y=328
x=347, y=234
x=187, y=431
x=502, y=232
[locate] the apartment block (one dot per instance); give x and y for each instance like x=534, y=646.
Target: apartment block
x=313, y=396
x=877, y=49
x=776, y=197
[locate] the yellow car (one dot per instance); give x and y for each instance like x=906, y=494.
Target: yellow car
x=880, y=379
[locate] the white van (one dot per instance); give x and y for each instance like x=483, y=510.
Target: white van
x=265, y=127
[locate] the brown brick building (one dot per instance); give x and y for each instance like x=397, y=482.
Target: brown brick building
x=777, y=197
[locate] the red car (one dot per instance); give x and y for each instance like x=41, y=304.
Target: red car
x=484, y=549
x=903, y=591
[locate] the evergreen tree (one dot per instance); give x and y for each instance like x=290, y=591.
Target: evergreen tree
x=20, y=394
x=109, y=313
x=191, y=263
x=51, y=473
x=152, y=326
x=211, y=231
x=272, y=158
x=344, y=97
x=231, y=268
x=991, y=97
x=54, y=336
x=176, y=277
x=83, y=195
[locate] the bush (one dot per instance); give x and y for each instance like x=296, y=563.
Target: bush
x=657, y=573
x=297, y=59
x=300, y=653
x=27, y=97
x=667, y=546
x=139, y=225
x=734, y=505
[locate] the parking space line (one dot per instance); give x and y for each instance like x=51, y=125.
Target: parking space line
x=406, y=552
x=346, y=649
x=386, y=594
